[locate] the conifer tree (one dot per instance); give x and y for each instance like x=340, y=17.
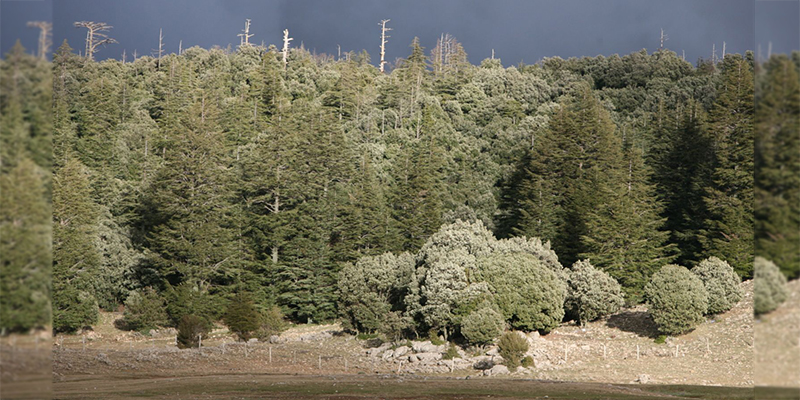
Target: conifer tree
x=729, y=197
x=624, y=235
x=75, y=257
x=777, y=166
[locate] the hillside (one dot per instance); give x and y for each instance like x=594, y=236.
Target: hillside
x=719, y=352
x=777, y=339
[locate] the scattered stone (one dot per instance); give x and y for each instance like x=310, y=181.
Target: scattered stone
x=401, y=351
x=643, y=379
x=498, y=370
x=429, y=357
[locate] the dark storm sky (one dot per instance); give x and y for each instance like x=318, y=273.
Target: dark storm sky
x=518, y=30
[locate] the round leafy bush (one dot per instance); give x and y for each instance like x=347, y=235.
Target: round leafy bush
x=512, y=346
x=591, y=293
x=676, y=299
x=529, y=295
x=190, y=329
x=145, y=310
x=721, y=282
x=528, y=362
x=770, y=286
x=242, y=317
x=482, y=326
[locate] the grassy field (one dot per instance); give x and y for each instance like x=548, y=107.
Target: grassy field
x=368, y=387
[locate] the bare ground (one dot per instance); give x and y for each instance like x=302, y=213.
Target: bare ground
x=318, y=360
x=777, y=337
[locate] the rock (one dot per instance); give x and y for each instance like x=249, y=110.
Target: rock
x=388, y=354
x=276, y=339
x=643, y=379
x=253, y=340
x=412, y=358
x=429, y=357
x=483, y=364
x=498, y=370
x=401, y=351
x=417, y=346
x=493, y=352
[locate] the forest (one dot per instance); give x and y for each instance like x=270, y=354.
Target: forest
x=184, y=180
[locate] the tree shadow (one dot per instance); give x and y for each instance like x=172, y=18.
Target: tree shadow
x=638, y=322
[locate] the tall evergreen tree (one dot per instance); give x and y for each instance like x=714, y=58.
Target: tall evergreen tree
x=729, y=198
x=777, y=166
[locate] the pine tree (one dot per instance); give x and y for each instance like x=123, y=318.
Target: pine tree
x=188, y=210
x=25, y=249
x=624, y=234
x=75, y=257
x=777, y=166
x=729, y=198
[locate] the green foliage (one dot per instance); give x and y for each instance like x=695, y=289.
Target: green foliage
x=272, y=323
x=769, y=288
x=483, y=325
x=451, y=353
x=79, y=310
x=591, y=293
x=373, y=287
x=145, y=310
x=213, y=172
x=25, y=249
x=529, y=295
x=242, y=317
x=190, y=329
x=721, y=282
x=676, y=299
x=661, y=339
x=730, y=196
x=512, y=346
x=528, y=362
x=777, y=165
x=187, y=299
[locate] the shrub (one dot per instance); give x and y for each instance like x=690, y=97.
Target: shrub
x=591, y=293
x=82, y=311
x=661, y=339
x=187, y=299
x=482, y=326
x=145, y=310
x=770, y=286
x=512, y=347
x=434, y=338
x=242, y=317
x=529, y=295
x=677, y=299
x=451, y=353
x=272, y=323
x=721, y=283
x=190, y=329
x=371, y=288
x=527, y=362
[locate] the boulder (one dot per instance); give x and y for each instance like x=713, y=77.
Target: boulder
x=493, y=351
x=483, y=364
x=401, y=351
x=417, y=346
x=429, y=357
x=643, y=379
x=388, y=354
x=498, y=370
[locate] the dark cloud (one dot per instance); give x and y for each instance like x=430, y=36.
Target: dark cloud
x=777, y=22
x=518, y=30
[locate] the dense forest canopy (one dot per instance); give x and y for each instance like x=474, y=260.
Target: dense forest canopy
x=212, y=172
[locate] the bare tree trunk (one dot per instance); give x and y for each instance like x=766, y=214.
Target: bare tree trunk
x=384, y=36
